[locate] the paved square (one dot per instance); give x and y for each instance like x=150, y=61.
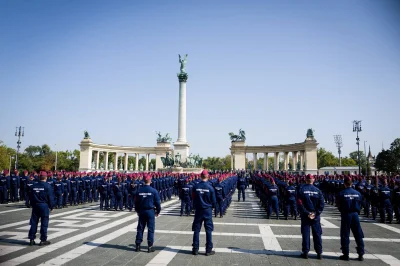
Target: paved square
x=85, y=236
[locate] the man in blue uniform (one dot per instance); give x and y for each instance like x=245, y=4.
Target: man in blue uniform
x=311, y=204
x=14, y=186
x=241, y=186
x=349, y=202
x=58, y=192
x=273, y=199
x=290, y=200
x=219, y=195
x=41, y=198
x=148, y=206
x=204, y=201
x=185, y=194
x=385, y=204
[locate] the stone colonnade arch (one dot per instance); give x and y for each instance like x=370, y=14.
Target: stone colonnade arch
x=305, y=151
x=90, y=152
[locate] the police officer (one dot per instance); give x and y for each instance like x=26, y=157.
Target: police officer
x=148, y=206
x=290, y=200
x=241, y=186
x=349, y=202
x=58, y=192
x=41, y=198
x=385, y=204
x=204, y=201
x=185, y=195
x=219, y=195
x=311, y=204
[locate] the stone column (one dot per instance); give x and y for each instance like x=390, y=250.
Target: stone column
x=286, y=161
x=276, y=161
x=137, y=162
x=181, y=146
x=147, y=162
x=116, y=162
x=97, y=158
x=126, y=162
x=301, y=160
x=295, y=156
x=106, y=161
x=255, y=160
x=232, y=166
x=266, y=161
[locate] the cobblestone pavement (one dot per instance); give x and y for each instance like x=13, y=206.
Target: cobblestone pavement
x=86, y=236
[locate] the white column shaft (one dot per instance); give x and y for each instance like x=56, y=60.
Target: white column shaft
x=126, y=162
x=137, y=162
x=106, y=161
x=182, y=113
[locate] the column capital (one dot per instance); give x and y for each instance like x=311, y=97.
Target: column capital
x=182, y=77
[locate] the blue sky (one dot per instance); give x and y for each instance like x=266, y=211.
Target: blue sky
x=273, y=68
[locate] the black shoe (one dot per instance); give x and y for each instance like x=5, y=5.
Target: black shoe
x=187, y=214
x=44, y=243
x=181, y=214
x=286, y=218
x=267, y=217
x=344, y=257
x=221, y=216
x=360, y=257
x=137, y=249
x=209, y=253
x=32, y=243
x=304, y=255
x=295, y=217
x=319, y=256
x=195, y=251
x=150, y=249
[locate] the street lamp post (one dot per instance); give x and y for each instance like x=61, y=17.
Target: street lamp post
x=19, y=132
x=357, y=128
x=366, y=160
x=339, y=145
x=9, y=168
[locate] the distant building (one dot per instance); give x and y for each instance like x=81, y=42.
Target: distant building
x=370, y=158
x=342, y=170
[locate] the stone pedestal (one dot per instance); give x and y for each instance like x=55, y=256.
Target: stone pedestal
x=183, y=149
x=239, y=157
x=310, y=156
x=161, y=153
x=85, y=160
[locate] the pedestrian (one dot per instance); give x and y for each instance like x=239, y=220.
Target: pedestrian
x=148, y=206
x=349, y=202
x=41, y=200
x=204, y=201
x=311, y=204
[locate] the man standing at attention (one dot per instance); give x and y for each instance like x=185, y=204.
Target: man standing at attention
x=349, y=203
x=41, y=200
x=204, y=201
x=311, y=204
x=146, y=200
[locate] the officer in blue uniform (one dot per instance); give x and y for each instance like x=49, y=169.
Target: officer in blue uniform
x=41, y=198
x=219, y=195
x=311, y=204
x=241, y=186
x=148, y=206
x=385, y=204
x=67, y=190
x=58, y=192
x=74, y=191
x=185, y=195
x=14, y=186
x=4, y=187
x=103, y=190
x=290, y=200
x=273, y=199
x=204, y=201
x=349, y=202
x=28, y=188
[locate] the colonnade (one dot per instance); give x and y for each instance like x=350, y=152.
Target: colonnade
x=305, y=152
x=90, y=155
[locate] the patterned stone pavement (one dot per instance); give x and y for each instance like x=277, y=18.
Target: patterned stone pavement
x=85, y=236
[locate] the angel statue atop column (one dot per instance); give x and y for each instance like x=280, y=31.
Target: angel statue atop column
x=183, y=63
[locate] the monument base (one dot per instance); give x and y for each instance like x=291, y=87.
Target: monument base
x=183, y=149
x=180, y=170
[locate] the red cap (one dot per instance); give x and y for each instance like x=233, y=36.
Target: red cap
x=310, y=176
x=204, y=172
x=43, y=173
x=5, y=172
x=347, y=179
x=147, y=177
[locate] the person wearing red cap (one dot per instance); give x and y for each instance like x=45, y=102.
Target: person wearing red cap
x=14, y=186
x=349, y=202
x=204, y=201
x=28, y=187
x=41, y=199
x=22, y=184
x=146, y=201
x=311, y=204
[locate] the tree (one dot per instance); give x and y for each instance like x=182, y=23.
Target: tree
x=384, y=162
x=326, y=158
x=346, y=161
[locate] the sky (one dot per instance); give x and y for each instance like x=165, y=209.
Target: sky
x=272, y=68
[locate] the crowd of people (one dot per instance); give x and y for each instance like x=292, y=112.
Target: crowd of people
x=278, y=193
x=301, y=196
